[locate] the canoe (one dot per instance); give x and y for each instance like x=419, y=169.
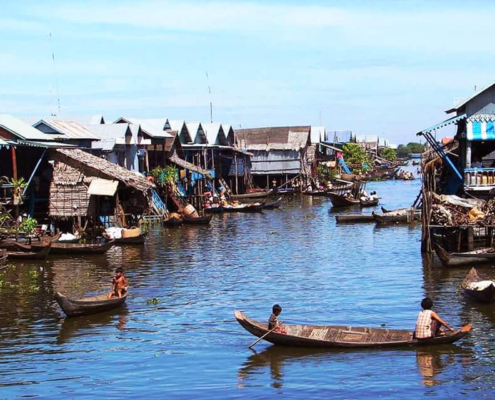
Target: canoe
x=339, y=200
x=480, y=256
x=27, y=252
x=79, y=248
x=245, y=208
x=285, y=191
x=393, y=218
x=88, y=305
x=354, y=218
x=272, y=205
x=133, y=240
x=173, y=222
x=315, y=193
x=344, y=336
x=198, y=221
x=484, y=294
x=214, y=210
x=369, y=202
x=12, y=244
x=253, y=195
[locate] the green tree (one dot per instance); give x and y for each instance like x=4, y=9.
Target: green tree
x=354, y=154
x=388, y=154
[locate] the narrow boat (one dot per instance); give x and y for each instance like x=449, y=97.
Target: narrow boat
x=344, y=336
x=339, y=200
x=285, y=191
x=26, y=252
x=133, y=240
x=415, y=163
x=245, y=208
x=198, y=221
x=315, y=193
x=477, y=288
x=354, y=218
x=272, y=205
x=252, y=195
x=88, y=305
x=79, y=248
x=480, y=256
x=369, y=202
x=393, y=218
x=214, y=210
x=173, y=222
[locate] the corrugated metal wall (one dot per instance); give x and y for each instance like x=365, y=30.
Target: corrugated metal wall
x=275, y=162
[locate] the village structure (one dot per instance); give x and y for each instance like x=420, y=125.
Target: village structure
x=79, y=172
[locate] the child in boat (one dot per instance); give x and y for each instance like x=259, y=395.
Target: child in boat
x=119, y=284
x=429, y=323
x=274, y=323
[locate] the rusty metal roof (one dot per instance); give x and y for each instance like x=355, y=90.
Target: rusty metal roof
x=66, y=130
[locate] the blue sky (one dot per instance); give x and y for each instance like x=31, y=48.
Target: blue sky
x=385, y=67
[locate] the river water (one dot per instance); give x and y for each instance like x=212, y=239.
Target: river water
x=189, y=345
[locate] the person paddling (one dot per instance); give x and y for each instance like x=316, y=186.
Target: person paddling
x=429, y=322
x=273, y=322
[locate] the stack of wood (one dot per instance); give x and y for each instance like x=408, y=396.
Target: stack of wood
x=452, y=211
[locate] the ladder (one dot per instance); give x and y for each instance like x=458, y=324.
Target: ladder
x=439, y=150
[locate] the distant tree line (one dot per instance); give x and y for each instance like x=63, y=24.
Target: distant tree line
x=406, y=150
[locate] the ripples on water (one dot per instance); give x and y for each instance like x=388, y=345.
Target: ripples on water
x=189, y=345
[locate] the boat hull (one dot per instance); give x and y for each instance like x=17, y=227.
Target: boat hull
x=133, y=240
x=354, y=218
x=344, y=336
x=463, y=259
x=87, y=306
x=198, y=221
x=254, y=195
x=341, y=201
x=487, y=295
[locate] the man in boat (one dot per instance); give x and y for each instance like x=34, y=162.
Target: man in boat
x=274, y=323
x=429, y=322
x=119, y=284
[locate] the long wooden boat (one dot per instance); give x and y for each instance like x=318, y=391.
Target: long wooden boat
x=252, y=195
x=79, y=248
x=173, y=222
x=484, y=293
x=133, y=240
x=315, y=193
x=480, y=256
x=272, y=205
x=198, y=221
x=214, y=210
x=88, y=305
x=285, y=191
x=369, y=202
x=393, y=218
x=344, y=336
x=27, y=252
x=12, y=243
x=245, y=208
x=354, y=218
x=339, y=200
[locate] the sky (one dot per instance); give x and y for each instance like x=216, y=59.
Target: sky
x=388, y=68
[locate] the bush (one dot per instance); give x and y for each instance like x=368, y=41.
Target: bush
x=388, y=154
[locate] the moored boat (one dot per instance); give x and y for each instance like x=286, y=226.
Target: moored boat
x=79, y=248
x=198, y=220
x=88, y=305
x=458, y=259
x=140, y=239
x=344, y=336
x=26, y=252
x=342, y=200
x=252, y=195
x=369, y=202
x=173, y=221
x=354, y=218
x=315, y=193
x=272, y=205
x=478, y=288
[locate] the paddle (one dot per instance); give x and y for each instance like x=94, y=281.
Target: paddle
x=271, y=330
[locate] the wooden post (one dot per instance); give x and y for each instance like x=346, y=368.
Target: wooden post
x=470, y=238
x=236, y=176
x=14, y=162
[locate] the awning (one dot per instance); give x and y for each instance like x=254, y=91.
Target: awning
x=480, y=130
x=187, y=165
x=102, y=187
x=449, y=121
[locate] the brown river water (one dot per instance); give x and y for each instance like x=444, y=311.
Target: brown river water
x=189, y=345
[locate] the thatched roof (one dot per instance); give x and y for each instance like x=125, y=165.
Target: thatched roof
x=99, y=167
x=273, y=138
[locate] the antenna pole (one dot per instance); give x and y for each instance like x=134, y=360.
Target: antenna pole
x=56, y=75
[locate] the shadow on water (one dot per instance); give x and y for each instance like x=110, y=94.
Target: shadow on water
x=430, y=361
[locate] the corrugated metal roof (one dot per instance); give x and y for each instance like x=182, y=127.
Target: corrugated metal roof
x=196, y=132
x=317, y=134
x=80, y=119
x=273, y=138
x=21, y=129
x=214, y=133
x=467, y=100
x=176, y=124
x=146, y=127
x=67, y=130
x=108, y=135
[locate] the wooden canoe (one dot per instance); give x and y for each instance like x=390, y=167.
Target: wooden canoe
x=315, y=193
x=354, y=218
x=339, y=200
x=26, y=252
x=245, y=208
x=88, y=305
x=344, y=336
x=79, y=248
x=133, y=240
x=272, y=205
x=285, y=191
x=480, y=256
x=214, y=210
x=369, y=202
x=483, y=295
x=173, y=222
x=393, y=218
x=198, y=221
x=252, y=195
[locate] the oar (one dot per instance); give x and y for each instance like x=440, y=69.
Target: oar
x=271, y=330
